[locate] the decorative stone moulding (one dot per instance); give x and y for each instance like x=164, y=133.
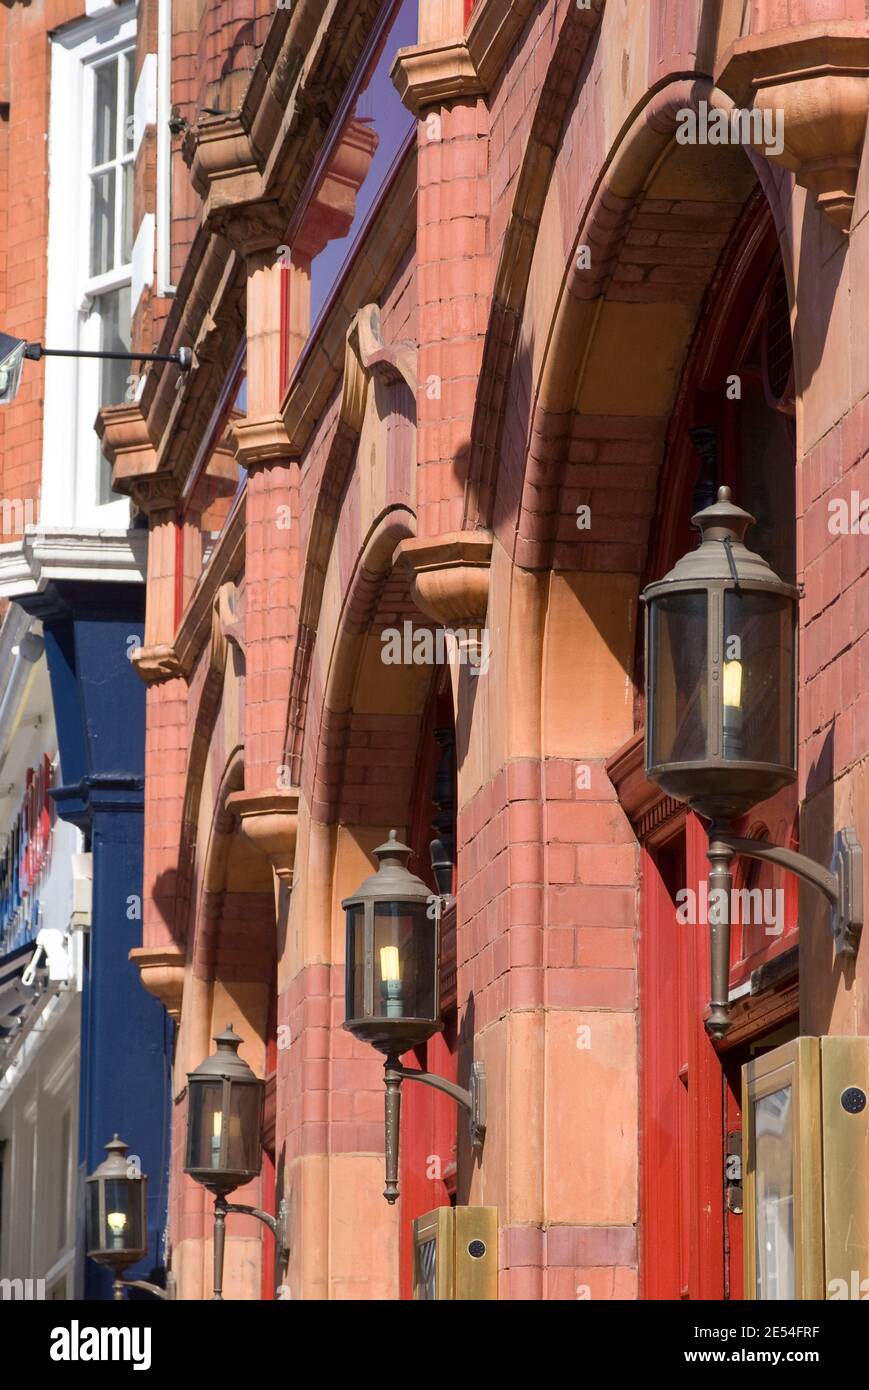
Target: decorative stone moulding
x=270, y=821
x=161, y=969
x=450, y=575
x=815, y=75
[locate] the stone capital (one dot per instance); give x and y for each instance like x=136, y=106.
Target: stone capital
x=126, y=443
x=161, y=969
x=270, y=820
x=435, y=74
x=450, y=575
x=261, y=441
x=813, y=78
x=250, y=227
x=218, y=151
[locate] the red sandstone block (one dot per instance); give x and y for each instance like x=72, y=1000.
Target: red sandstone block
x=525, y=864
x=588, y=823
x=581, y=989
x=604, y=864
x=605, y=948
x=525, y=988
x=560, y=948
x=561, y=863
x=559, y=779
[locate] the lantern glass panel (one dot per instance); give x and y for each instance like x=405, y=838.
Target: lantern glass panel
x=123, y=1226
x=404, y=960
x=355, y=987
x=244, y=1154
x=678, y=644
x=758, y=677
x=206, y=1124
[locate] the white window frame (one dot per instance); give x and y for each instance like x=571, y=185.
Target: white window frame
x=71, y=460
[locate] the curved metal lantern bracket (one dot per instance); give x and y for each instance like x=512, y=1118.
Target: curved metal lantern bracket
x=473, y=1100
x=841, y=884
x=278, y=1225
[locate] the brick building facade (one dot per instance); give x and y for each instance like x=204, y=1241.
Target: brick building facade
x=473, y=328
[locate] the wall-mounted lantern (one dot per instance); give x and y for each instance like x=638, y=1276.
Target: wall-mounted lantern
x=721, y=728
x=116, y=1208
x=225, y=1102
x=392, y=990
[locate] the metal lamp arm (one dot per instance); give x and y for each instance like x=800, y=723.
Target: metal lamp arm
x=438, y=1083
x=473, y=1101
x=155, y=1289
x=790, y=859
x=278, y=1225
x=264, y=1216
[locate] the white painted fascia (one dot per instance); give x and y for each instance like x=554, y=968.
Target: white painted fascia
x=145, y=100
x=52, y=553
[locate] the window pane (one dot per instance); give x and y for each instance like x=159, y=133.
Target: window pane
x=404, y=961
x=105, y=112
x=103, y=223
x=774, y=1214
x=678, y=640
x=129, y=65
x=758, y=717
x=114, y=311
x=127, y=217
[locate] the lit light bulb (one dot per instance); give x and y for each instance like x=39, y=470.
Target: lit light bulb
x=390, y=981
x=117, y=1224
x=216, y=1132
x=733, y=684
x=732, y=697
x=389, y=964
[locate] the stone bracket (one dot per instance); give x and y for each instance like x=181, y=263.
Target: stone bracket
x=815, y=77
x=270, y=820
x=161, y=969
x=451, y=575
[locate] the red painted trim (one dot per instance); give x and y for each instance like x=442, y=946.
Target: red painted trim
x=284, y=349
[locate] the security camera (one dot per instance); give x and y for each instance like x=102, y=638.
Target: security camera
x=12, y=353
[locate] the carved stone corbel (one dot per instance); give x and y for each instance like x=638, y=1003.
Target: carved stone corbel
x=270, y=821
x=154, y=665
x=815, y=75
x=367, y=355
x=225, y=627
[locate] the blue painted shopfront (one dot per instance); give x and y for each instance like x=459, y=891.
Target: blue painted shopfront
x=99, y=706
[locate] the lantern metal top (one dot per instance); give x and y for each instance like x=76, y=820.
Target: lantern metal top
x=393, y=880
x=722, y=556
x=225, y=1064
x=114, y=1166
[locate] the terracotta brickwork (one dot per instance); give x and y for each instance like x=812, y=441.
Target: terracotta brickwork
x=508, y=352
